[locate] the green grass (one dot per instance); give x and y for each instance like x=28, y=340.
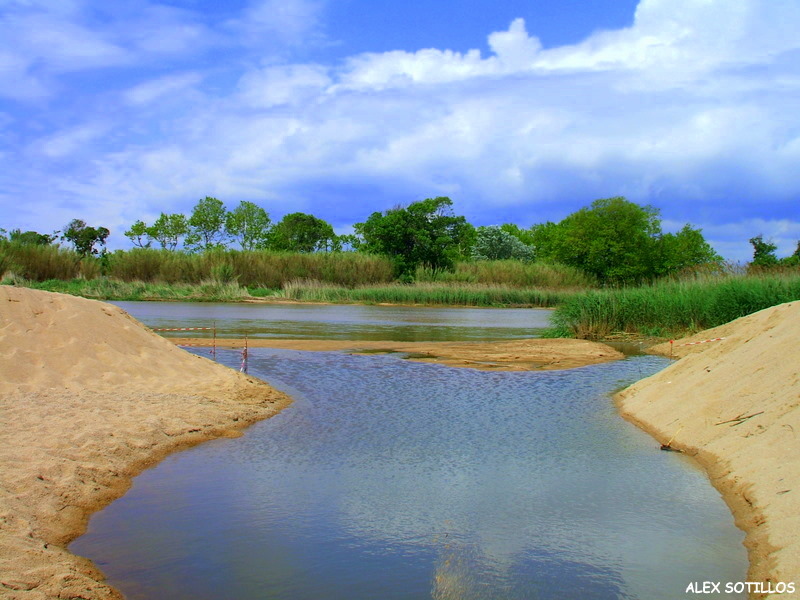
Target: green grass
x=304, y=291
x=672, y=308
x=424, y=293
x=110, y=289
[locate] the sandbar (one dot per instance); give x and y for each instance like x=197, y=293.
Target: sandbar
x=510, y=355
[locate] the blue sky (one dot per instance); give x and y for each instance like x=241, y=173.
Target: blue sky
x=520, y=111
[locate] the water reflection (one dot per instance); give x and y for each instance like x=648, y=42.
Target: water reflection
x=345, y=322
x=390, y=479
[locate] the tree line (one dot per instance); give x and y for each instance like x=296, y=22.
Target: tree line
x=613, y=239
x=211, y=226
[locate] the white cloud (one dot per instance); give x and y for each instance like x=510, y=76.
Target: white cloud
x=673, y=39
x=58, y=44
x=160, y=30
x=15, y=82
x=292, y=21
x=692, y=108
x=149, y=91
x=514, y=48
x=70, y=142
x=286, y=84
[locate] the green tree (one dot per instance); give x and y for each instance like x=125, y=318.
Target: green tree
x=140, y=234
x=545, y=239
x=207, y=225
x=301, y=232
x=349, y=242
x=794, y=259
x=523, y=235
x=248, y=224
x=84, y=237
x=32, y=238
x=168, y=230
x=424, y=233
x=620, y=242
x=613, y=239
x=496, y=243
x=685, y=249
x=763, y=252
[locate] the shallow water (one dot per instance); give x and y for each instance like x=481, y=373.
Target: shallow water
x=391, y=479
x=343, y=322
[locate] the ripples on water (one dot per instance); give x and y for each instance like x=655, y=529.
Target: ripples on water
x=391, y=479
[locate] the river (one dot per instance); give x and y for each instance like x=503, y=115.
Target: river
x=398, y=480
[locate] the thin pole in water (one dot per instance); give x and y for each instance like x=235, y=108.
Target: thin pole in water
x=244, y=355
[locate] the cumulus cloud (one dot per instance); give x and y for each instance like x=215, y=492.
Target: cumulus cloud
x=691, y=108
x=513, y=50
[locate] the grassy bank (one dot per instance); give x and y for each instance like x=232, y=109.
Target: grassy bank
x=231, y=275
x=306, y=291
x=267, y=269
x=664, y=309
x=425, y=293
x=112, y=289
x=511, y=273
x=672, y=308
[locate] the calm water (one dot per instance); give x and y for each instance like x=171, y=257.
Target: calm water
x=388, y=479
x=344, y=322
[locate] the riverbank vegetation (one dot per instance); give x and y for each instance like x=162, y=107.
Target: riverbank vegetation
x=673, y=308
x=469, y=294
x=608, y=267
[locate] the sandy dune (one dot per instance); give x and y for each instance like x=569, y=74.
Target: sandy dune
x=734, y=404
x=89, y=398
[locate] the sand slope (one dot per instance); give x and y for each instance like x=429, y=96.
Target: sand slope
x=735, y=405
x=88, y=398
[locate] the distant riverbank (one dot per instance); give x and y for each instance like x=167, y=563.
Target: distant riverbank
x=665, y=309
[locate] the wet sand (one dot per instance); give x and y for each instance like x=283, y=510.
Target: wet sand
x=514, y=355
x=734, y=405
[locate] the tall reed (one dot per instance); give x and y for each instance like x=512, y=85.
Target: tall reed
x=39, y=263
x=512, y=273
x=114, y=289
x=672, y=307
x=261, y=269
x=423, y=293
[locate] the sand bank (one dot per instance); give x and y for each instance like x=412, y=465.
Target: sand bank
x=734, y=405
x=512, y=355
x=89, y=398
